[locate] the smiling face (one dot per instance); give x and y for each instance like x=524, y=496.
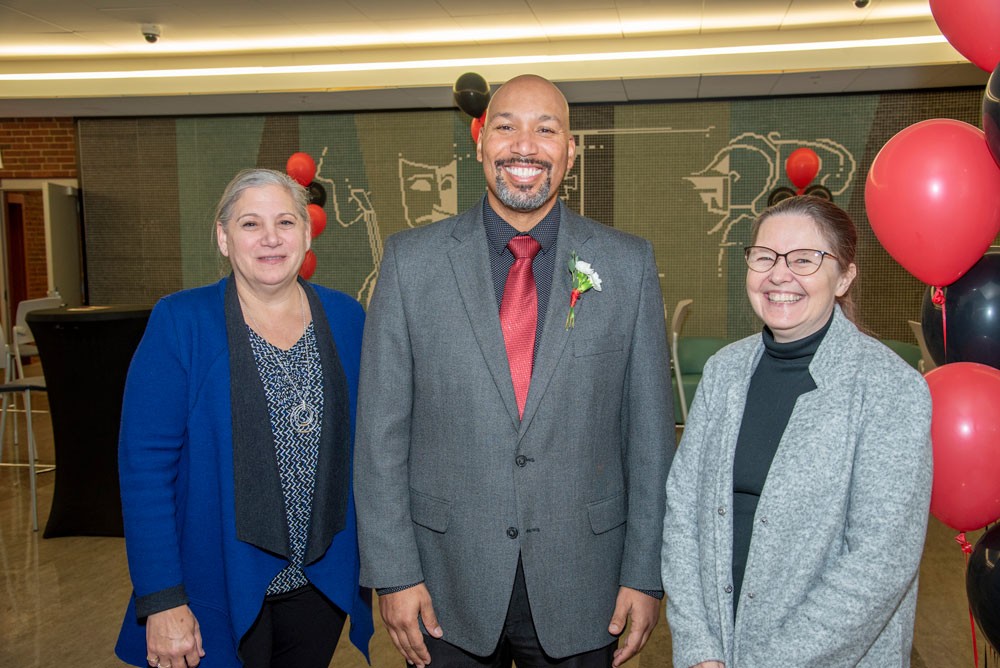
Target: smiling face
x=265, y=238
x=526, y=149
x=793, y=306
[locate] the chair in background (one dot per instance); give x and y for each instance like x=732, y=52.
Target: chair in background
x=22, y=340
x=693, y=353
x=926, y=360
x=909, y=352
x=676, y=324
x=24, y=387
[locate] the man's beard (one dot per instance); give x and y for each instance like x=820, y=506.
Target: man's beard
x=516, y=199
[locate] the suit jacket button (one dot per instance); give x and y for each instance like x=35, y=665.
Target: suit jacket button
x=521, y=460
x=729, y=589
x=511, y=532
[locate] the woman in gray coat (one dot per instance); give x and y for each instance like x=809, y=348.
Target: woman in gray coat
x=797, y=501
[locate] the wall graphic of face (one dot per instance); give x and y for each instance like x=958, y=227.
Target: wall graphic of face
x=429, y=192
x=736, y=184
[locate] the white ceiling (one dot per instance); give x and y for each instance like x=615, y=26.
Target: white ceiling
x=88, y=57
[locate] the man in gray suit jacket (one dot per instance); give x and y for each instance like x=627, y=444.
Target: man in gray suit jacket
x=510, y=491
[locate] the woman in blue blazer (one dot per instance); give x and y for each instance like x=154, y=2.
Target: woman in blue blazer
x=235, y=455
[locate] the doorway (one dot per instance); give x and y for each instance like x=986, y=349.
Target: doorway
x=17, y=261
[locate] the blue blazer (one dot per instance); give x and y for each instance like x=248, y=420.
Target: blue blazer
x=177, y=480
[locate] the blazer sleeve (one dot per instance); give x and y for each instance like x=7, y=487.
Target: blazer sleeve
x=648, y=425
x=695, y=637
x=153, y=433
x=389, y=556
x=843, y=615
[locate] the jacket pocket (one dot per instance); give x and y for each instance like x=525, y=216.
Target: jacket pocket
x=429, y=511
x=598, y=345
x=607, y=514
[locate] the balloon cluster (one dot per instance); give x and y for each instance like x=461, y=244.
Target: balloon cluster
x=801, y=166
x=471, y=93
x=933, y=200
x=302, y=168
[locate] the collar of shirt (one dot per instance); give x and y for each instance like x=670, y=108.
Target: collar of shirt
x=499, y=232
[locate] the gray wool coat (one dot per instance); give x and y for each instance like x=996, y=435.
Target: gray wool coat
x=831, y=578
x=451, y=487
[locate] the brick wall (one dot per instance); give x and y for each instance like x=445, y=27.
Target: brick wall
x=34, y=245
x=38, y=148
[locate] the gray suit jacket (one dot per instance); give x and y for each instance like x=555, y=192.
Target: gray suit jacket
x=450, y=486
x=831, y=578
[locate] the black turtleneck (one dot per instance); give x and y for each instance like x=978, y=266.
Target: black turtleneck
x=781, y=376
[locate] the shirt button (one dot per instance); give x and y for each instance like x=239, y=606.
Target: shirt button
x=511, y=532
x=521, y=460
x=763, y=520
x=729, y=589
x=750, y=595
x=722, y=510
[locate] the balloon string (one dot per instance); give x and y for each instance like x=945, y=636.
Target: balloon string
x=967, y=549
x=938, y=299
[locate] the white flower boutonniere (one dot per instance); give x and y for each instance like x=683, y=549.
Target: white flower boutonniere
x=584, y=278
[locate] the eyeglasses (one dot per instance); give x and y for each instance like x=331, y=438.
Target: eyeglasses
x=801, y=262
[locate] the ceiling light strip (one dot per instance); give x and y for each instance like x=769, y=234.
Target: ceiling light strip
x=480, y=62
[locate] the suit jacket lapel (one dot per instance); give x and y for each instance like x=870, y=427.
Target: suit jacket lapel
x=470, y=261
x=260, y=516
x=333, y=477
x=573, y=236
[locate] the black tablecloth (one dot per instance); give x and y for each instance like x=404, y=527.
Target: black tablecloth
x=85, y=353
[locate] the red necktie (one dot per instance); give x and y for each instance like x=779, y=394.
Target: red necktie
x=519, y=316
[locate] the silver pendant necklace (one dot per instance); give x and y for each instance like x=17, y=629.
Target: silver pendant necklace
x=302, y=417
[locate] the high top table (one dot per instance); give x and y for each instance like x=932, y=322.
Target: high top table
x=85, y=354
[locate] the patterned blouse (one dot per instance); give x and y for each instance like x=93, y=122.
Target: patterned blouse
x=297, y=453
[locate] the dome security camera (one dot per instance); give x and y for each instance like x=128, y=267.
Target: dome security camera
x=151, y=32
x=861, y=4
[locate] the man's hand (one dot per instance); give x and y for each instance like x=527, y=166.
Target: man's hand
x=643, y=611
x=709, y=664
x=400, y=612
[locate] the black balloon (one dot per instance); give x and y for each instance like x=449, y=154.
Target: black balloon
x=317, y=194
x=472, y=94
x=779, y=194
x=972, y=309
x=991, y=114
x=821, y=192
x=982, y=584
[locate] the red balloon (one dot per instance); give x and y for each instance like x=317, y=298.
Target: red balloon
x=971, y=26
x=301, y=167
x=317, y=219
x=802, y=166
x=308, y=267
x=477, y=127
x=965, y=431
x=933, y=199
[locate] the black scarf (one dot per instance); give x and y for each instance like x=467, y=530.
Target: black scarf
x=260, y=504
